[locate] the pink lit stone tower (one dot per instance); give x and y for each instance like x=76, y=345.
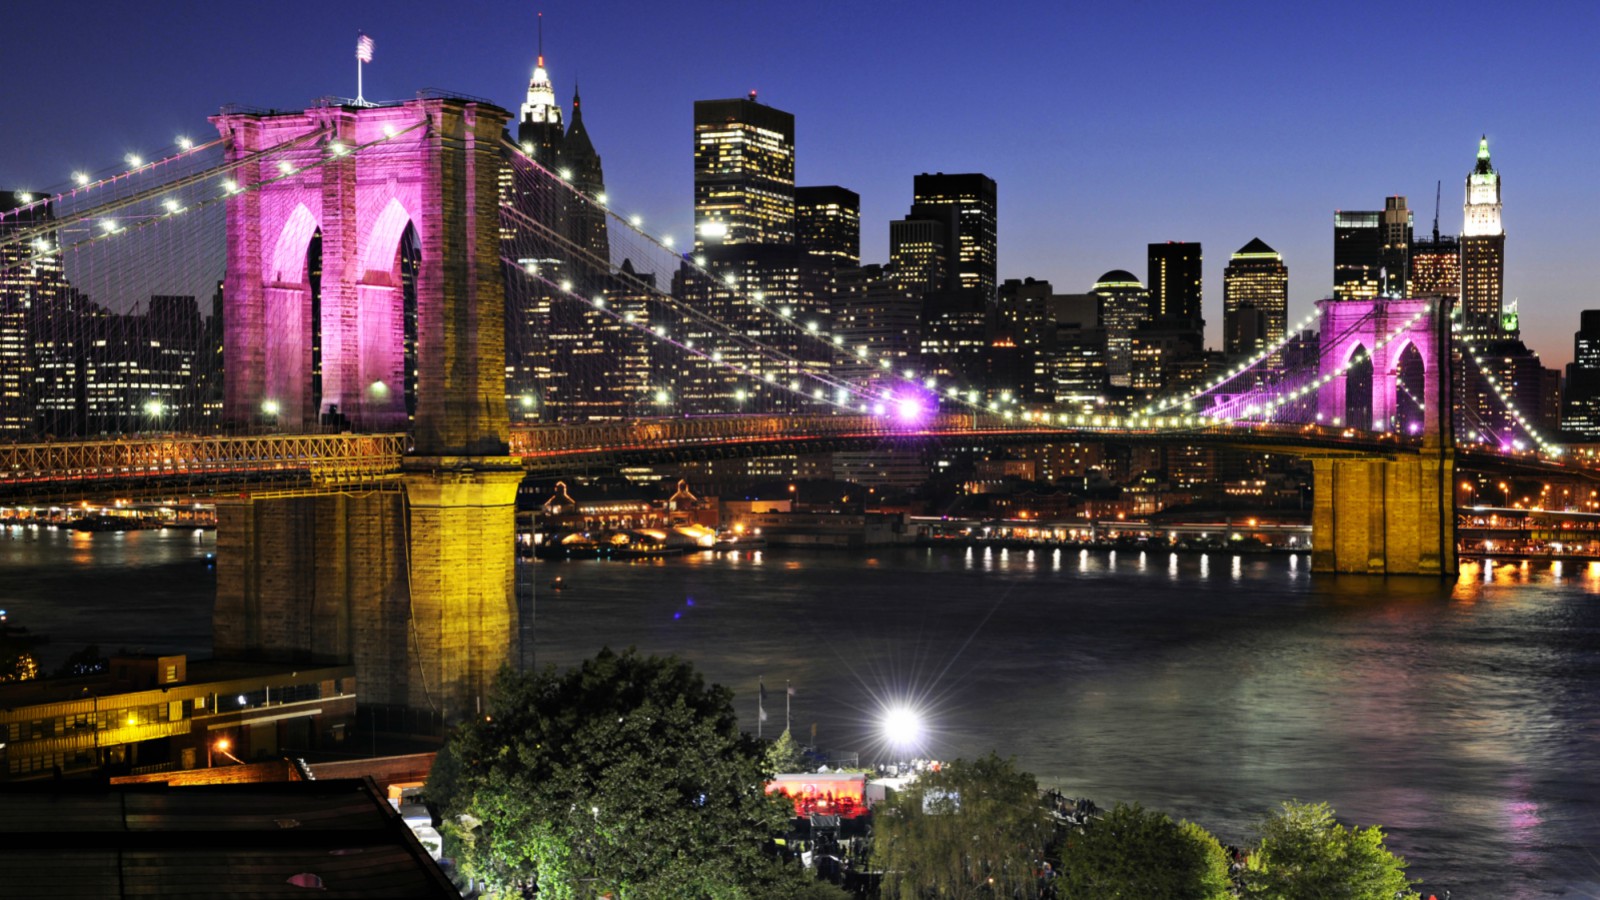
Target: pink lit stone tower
x=1392, y=514
x=1350, y=327
x=414, y=586
x=432, y=167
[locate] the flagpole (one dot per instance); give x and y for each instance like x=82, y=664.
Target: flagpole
x=788, y=692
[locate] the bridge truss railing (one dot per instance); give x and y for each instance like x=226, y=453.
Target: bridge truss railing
x=319, y=459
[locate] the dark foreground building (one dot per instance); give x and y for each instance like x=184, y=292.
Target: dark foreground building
x=337, y=838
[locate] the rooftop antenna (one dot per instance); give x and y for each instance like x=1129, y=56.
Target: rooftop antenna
x=541, y=38
x=1436, y=186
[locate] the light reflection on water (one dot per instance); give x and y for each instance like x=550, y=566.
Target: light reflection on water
x=1463, y=717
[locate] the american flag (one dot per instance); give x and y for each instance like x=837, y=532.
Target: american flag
x=364, y=49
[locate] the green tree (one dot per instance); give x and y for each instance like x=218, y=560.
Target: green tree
x=626, y=775
x=1131, y=852
x=1305, y=854
x=971, y=829
x=784, y=755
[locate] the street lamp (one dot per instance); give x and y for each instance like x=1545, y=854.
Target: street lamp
x=903, y=727
x=221, y=745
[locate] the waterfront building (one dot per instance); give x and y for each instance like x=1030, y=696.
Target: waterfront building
x=1483, y=248
x=154, y=713
x=1255, y=299
x=1124, y=306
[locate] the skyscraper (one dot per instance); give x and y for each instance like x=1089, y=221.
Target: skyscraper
x=1436, y=267
x=917, y=252
x=539, y=123
x=828, y=224
x=968, y=204
x=32, y=288
x=743, y=173
x=1357, y=254
x=1580, y=415
x=1255, y=299
x=1483, y=248
x=1174, y=279
x=1124, y=306
x=1394, y=257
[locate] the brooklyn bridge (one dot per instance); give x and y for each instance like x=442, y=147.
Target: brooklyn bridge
x=376, y=414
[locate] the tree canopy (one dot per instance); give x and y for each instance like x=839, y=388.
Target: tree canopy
x=625, y=775
x=1131, y=853
x=970, y=829
x=784, y=755
x=1305, y=854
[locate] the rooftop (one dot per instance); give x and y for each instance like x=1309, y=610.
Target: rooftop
x=340, y=838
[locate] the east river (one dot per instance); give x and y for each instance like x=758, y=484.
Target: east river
x=1463, y=717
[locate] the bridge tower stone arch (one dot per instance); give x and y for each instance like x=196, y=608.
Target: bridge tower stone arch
x=1387, y=514
x=432, y=166
x=415, y=584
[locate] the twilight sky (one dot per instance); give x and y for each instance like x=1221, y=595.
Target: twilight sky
x=1107, y=125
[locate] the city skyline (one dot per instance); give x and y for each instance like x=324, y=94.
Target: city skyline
x=1093, y=161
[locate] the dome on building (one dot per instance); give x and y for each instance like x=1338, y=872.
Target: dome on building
x=1118, y=278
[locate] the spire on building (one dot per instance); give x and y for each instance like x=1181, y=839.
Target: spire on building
x=578, y=145
x=1484, y=167
x=541, y=106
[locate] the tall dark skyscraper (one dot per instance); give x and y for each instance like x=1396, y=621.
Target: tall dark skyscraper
x=1394, y=257
x=1357, y=254
x=1580, y=415
x=1483, y=248
x=1255, y=299
x=968, y=205
x=32, y=287
x=828, y=224
x=586, y=222
x=743, y=173
x=1174, y=280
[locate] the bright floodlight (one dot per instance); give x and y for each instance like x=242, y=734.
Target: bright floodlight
x=270, y=407
x=908, y=409
x=133, y=159
x=80, y=177
x=902, y=727
x=666, y=240
x=636, y=221
x=185, y=144
x=25, y=197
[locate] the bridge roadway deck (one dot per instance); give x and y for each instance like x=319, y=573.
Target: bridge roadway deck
x=221, y=464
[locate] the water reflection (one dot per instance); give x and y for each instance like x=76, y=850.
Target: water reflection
x=1463, y=716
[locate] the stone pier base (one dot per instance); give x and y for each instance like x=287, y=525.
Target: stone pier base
x=1384, y=516
x=414, y=584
